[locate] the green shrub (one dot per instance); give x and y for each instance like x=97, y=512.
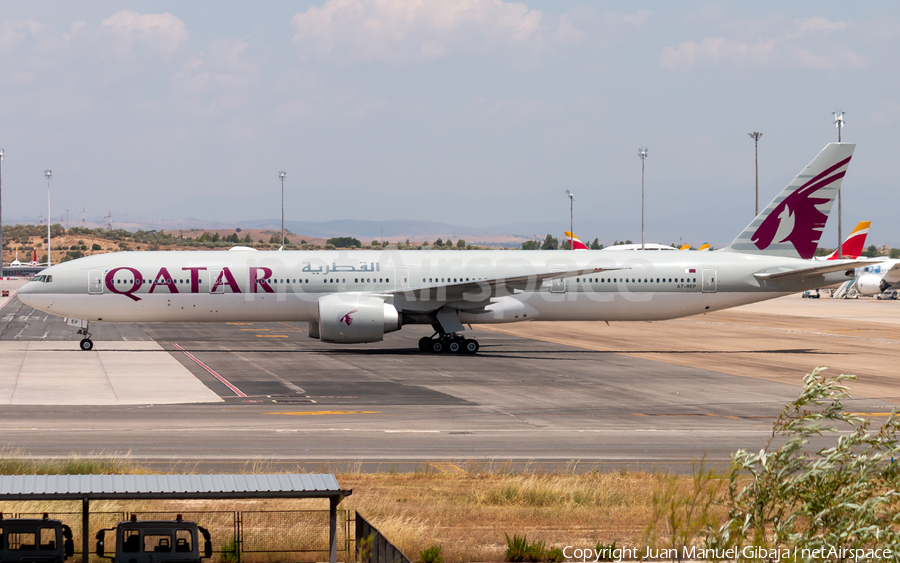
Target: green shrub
x=839, y=494
x=432, y=555
x=231, y=551
x=518, y=549
x=555, y=555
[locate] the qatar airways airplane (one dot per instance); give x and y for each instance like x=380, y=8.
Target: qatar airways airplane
x=358, y=296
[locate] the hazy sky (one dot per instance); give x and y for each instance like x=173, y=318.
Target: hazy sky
x=460, y=111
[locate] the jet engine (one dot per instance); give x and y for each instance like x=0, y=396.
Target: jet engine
x=351, y=319
x=870, y=284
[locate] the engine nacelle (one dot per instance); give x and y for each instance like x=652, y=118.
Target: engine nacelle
x=351, y=319
x=870, y=284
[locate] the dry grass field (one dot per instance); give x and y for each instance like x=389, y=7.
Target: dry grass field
x=465, y=508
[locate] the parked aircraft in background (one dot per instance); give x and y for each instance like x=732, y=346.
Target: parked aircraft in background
x=704, y=246
x=647, y=246
x=576, y=242
x=685, y=246
x=854, y=244
x=877, y=278
x=358, y=296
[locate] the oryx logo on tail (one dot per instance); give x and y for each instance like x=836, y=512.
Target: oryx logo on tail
x=797, y=218
x=791, y=225
x=347, y=319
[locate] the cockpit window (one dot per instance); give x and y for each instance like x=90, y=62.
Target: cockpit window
x=43, y=278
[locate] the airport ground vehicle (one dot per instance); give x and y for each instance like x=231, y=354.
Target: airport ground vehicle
x=890, y=294
x=155, y=541
x=35, y=540
x=811, y=294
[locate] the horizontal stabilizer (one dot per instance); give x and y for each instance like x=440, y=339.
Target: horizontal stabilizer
x=893, y=275
x=802, y=273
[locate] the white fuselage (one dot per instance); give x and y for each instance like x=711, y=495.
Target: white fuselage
x=203, y=286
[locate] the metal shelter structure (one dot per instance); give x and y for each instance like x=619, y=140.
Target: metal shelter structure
x=175, y=487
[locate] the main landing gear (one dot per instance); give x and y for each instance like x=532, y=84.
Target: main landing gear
x=450, y=342
x=86, y=343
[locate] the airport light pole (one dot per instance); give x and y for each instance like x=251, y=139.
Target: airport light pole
x=1, y=213
x=48, y=174
x=839, y=123
x=756, y=135
x=571, y=220
x=642, y=154
x=282, y=174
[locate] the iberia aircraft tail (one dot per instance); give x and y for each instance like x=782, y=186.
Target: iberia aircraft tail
x=853, y=244
x=576, y=244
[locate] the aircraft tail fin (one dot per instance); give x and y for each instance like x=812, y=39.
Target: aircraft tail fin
x=576, y=244
x=704, y=246
x=853, y=245
x=791, y=225
x=685, y=246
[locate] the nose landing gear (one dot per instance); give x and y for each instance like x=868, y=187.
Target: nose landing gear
x=449, y=342
x=86, y=343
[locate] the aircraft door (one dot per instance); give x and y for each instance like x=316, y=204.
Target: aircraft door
x=95, y=282
x=214, y=275
x=558, y=285
x=401, y=279
x=709, y=281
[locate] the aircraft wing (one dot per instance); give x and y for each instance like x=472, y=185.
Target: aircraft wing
x=893, y=275
x=485, y=289
x=802, y=273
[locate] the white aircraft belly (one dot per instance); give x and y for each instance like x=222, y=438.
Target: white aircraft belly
x=182, y=308
x=649, y=306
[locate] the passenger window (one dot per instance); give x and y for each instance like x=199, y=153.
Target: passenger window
x=131, y=541
x=48, y=538
x=157, y=543
x=21, y=541
x=183, y=541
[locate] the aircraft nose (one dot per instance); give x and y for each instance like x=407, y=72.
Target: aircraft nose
x=25, y=292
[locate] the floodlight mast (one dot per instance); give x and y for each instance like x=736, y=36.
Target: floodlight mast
x=839, y=123
x=48, y=174
x=281, y=175
x=1, y=214
x=642, y=154
x=571, y=220
x=756, y=135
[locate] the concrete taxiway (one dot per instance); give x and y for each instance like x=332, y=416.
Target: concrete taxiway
x=632, y=394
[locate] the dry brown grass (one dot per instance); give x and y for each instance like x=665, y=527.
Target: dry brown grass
x=469, y=512
x=465, y=509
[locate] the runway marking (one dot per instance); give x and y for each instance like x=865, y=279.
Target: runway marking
x=412, y=431
x=239, y=323
x=211, y=371
x=296, y=328
x=271, y=336
x=314, y=413
x=256, y=329
x=295, y=388
x=448, y=467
